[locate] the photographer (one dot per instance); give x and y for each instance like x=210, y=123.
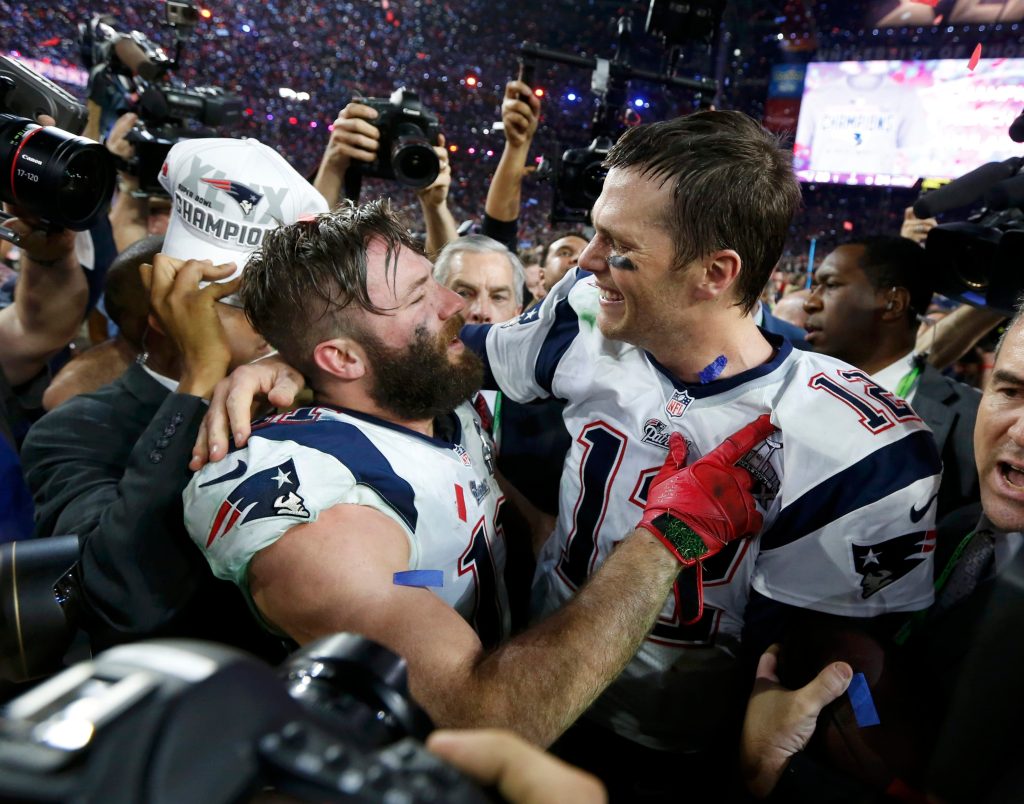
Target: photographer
x=355, y=137
x=49, y=301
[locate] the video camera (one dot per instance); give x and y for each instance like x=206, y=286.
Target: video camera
x=979, y=260
x=49, y=171
x=578, y=174
x=129, y=73
x=176, y=720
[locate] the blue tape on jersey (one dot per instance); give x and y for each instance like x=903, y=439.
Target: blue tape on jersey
x=419, y=578
x=863, y=704
x=712, y=371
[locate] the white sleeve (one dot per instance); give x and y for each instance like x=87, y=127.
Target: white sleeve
x=855, y=540
x=236, y=507
x=522, y=355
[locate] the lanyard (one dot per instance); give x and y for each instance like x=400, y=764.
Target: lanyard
x=910, y=378
x=940, y=583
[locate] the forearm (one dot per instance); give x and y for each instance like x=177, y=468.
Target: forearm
x=137, y=565
x=504, y=194
x=49, y=305
x=129, y=216
x=328, y=183
x=540, y=682
x=441, y=228
x=951, y=338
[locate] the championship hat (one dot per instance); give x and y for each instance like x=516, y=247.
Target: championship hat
x=226, y=194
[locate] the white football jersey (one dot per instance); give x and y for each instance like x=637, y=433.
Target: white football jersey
x=298, y=464
x=845, y=485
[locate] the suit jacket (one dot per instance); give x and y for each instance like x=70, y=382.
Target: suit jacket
x=110, y=467
x=950, y=408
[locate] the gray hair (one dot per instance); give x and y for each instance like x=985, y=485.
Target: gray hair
x=480, y=244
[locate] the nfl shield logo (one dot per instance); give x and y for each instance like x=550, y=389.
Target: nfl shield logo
x=678, y=404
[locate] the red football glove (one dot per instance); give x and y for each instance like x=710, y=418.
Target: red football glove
x=696, y=510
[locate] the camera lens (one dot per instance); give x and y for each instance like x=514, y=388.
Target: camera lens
x=61, y=178
x=412, y=158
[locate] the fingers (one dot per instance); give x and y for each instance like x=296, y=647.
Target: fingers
x=356, y=111
x=768, y=665
x=199, y=451
x=221, y=289
x=45, y=120
x=522, y=773
x=215, y=424
x=288, y=384
x=239, y=406
x=828, y=685
x=677, y=449
x=745, y=439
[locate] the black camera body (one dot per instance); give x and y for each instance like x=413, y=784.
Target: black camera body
x=408, y=133
x=130, y=73
x=177, y=720
x=30, y=95
x=51, y=173
x=579, y=176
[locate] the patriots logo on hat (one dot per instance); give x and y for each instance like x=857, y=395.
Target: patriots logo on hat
x=246, y=197
x=272, y=492
x=884, y=563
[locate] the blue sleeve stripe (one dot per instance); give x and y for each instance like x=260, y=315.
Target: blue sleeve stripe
x=475, y=338
x=359, y=455
x=880, y=474
x=562, y=333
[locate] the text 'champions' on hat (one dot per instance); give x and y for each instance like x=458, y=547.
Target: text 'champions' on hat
x=226, y=195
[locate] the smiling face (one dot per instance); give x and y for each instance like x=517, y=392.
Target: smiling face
x=999, y=436
x=643, y=298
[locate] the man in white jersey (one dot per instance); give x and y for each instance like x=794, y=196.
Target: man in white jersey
x=651, y=336
x=376, y=509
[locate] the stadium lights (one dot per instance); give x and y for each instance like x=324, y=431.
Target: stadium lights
x=472, y=81
x=291, y=94
x=205, y=13
x=571, y=96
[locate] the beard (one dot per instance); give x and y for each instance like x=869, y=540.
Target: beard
x=421, y=381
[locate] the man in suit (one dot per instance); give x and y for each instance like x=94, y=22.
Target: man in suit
x=110, y=466
x=863, y=308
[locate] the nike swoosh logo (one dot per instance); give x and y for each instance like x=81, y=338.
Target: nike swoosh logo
x=239, y=470
x=915, y=515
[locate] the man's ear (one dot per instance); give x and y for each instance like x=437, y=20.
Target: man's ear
x=343, y=358
x=896, y=303
x=721, y=272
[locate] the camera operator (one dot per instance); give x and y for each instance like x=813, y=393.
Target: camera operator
x=117, y=483
x=356, y=138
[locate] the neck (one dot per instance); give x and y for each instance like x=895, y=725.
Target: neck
x=889, y=351
x=735, y=337
x=360, y=402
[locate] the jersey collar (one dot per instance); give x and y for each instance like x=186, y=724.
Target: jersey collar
x=782, y=348
x=398, y=428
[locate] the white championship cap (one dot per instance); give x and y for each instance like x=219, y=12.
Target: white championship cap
x=226, y=195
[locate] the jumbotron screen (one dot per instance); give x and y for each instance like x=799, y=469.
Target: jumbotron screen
x=890, y=123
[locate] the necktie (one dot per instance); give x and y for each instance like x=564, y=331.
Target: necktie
x=973, y=567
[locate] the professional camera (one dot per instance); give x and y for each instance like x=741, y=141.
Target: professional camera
x=408, y=133
x=129, y=73
x=175, y=720
x=579, y=176
x=979, y=260
x=64, y=179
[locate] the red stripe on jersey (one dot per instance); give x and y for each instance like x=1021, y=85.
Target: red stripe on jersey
x=460, y=501
x=224, y=508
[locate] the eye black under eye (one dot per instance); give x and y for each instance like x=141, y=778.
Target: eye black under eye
x=621, y=263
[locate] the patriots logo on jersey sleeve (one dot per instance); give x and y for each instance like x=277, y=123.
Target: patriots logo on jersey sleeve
x=269, y=493
x=246, y=197
x=884, y=563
